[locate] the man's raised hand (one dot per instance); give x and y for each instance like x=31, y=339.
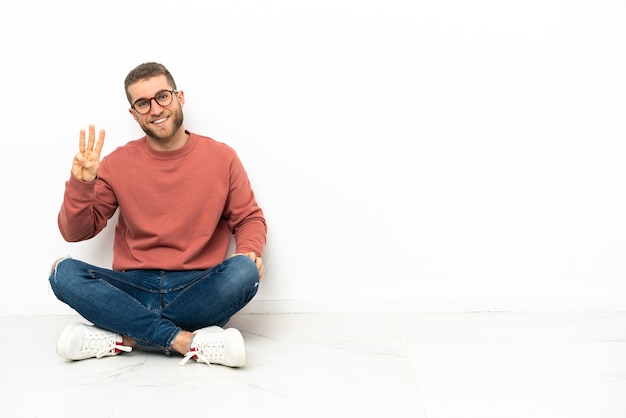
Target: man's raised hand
x=87, y=161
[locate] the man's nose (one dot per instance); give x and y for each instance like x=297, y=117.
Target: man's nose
x=153, y=104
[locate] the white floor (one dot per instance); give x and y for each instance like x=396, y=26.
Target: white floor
x=480, y=365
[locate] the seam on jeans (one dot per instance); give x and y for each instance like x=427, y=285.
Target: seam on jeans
x=171, y=338
x=134, y=337
x=183, y=289
x=161, y=290
x=97, y=274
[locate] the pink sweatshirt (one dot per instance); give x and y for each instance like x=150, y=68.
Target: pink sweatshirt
x=177, y=209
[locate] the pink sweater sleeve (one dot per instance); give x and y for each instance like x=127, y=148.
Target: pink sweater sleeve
x=82, y=216
x=242, y=213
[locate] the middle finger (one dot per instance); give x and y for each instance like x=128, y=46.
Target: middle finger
x=92, y=138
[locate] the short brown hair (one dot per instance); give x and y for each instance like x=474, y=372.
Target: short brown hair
x=147, y=70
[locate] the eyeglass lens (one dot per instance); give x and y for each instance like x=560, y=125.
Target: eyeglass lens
x=163, y=98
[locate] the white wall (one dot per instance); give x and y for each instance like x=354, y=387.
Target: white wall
x=448, y=155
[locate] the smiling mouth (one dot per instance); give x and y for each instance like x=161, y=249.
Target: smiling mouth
x=159, y=121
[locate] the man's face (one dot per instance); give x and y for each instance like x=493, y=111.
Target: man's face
x=160, y=122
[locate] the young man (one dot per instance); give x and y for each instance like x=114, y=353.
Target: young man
x=180, y=197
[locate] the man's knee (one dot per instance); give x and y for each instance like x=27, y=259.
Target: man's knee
x=56, y=264
x=245, y=267
x=52, y=276
x=62, y=272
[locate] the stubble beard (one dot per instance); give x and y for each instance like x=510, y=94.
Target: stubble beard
x=176, y=118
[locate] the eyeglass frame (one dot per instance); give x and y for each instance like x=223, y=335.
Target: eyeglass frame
x=155, y=99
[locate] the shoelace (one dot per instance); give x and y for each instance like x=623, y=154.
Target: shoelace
x=205, y=351
x=102, y=345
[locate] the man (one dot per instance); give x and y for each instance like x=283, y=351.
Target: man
x=180, y=197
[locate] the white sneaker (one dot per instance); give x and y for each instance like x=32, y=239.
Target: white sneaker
x=218, y=346
x=79, y=341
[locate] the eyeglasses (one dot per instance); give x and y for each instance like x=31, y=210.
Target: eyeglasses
x=163, y=98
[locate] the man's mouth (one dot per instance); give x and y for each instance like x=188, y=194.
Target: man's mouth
x=160, y=121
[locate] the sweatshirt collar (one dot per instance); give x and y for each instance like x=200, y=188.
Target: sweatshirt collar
x=172, y=155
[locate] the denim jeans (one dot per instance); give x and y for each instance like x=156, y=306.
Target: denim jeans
x=153, y=306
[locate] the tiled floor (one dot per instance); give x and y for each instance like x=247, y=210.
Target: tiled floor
x=474, y=365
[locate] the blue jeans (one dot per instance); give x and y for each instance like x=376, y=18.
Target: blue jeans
x=153, y=306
